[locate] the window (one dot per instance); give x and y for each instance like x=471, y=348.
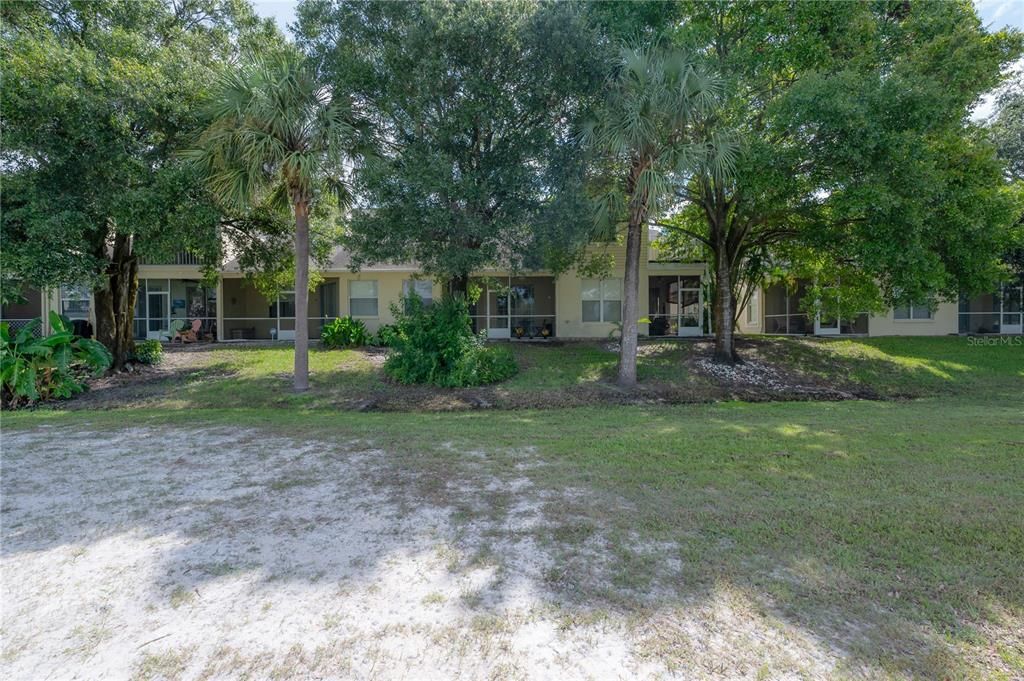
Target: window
x=362, y=298
x=422, y=288
x=913, y=311
x=753, y=315
x=602, y=300
x=75, y=302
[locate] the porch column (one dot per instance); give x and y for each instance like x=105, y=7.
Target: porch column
x=220, y=308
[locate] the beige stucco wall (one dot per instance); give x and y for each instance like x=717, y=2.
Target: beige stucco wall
x=568, y=291
x=389, y=290
x=755, y=325
x=944, y=321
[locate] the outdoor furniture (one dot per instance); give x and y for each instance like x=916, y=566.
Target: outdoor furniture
x=180, y=333
x=192, y=335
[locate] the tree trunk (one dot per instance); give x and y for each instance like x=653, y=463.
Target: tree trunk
x=114, y=302
x=301, y=297
x=631, y=296
x=725, y=350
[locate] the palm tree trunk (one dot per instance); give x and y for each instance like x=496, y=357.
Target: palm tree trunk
x=301, y=297
x=631, y=296
x=725, y=350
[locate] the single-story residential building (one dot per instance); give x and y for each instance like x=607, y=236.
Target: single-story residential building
x=777, y=309
x=514, y=305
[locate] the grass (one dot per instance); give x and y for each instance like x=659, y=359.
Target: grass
x=573, y=374
x=889, y=529
x=913, y=367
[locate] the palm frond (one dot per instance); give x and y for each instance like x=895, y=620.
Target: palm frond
x=276, y=132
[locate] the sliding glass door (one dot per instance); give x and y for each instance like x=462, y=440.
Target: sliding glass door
x=674, y=305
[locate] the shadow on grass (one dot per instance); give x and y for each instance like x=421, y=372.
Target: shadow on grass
x=905, y=367
x=577, y=374
x=872, y=534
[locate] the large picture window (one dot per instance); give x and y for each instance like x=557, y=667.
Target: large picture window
x=602, y=300
x=362, y=298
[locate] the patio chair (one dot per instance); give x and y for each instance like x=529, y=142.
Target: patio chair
x=191, y=335
x=180, y=333
x=174, y=333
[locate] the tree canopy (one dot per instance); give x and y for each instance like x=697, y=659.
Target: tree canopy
x=858, y=163
x=472, y=106
x=97, y=99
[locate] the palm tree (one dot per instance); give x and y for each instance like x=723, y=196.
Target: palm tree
x=648, y=133
x=278, y=138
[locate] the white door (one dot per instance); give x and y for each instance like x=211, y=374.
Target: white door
x=498, y=314
x=1012, y=309
x=159, y=324
x=826, y=325
x=690, y=307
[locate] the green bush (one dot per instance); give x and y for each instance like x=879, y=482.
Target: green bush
x=436, y=345
x=386, y=336
x=149, y=352
x=344, y=332
x=54, y=367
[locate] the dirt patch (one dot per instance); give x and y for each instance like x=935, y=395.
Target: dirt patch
x=181, y=553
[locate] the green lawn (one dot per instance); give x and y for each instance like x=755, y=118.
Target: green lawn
x=889, y=529
x=575, y=374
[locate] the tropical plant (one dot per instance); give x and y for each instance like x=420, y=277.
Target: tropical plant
x=646, y=133
x=344, y=332
x=149, y=352
x=436, y=345
x=33, y=369
x=387, y=336
x=279, y=137
x=97, y=97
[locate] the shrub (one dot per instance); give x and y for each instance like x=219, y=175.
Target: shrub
x=386, y=336
x=149, y=352
x=344, y=332
x=54, y=367
x=436, y=345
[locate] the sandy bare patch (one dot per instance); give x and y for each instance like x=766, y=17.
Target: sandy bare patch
x=222, y=553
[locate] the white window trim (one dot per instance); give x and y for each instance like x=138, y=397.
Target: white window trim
x=910, y=312
x=601, y=300
x=754, y=308
x=376, y=285
x=412, y=289
x=66, y=298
